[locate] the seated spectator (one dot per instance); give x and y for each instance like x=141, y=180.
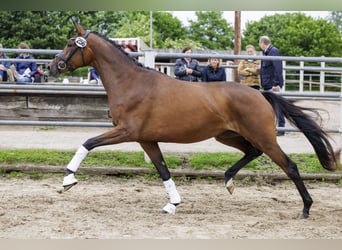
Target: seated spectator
x=213, y=72
x=94, y=77
x=187, y=69
x=23, y=71
x=4, y=66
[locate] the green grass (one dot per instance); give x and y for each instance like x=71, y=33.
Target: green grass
x=307, y=163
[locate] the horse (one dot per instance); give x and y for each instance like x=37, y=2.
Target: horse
x=148, y=107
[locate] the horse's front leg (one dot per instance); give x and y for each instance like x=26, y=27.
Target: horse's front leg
x=153, y=151
x=114, y=136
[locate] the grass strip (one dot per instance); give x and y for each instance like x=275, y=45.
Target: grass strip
x=307, y=163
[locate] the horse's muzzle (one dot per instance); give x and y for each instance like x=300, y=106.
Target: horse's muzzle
x=53, y=68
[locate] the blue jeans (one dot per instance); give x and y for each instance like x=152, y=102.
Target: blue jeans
x=3, y=75
x=94, y=74
x=24, y=79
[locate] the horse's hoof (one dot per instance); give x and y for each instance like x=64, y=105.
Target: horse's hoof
x=66, y=188
x=169, y=209
x=68, y=182
x=230, y=186
x=304, y=216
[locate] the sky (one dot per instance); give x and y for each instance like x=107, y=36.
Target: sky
x=246, y=16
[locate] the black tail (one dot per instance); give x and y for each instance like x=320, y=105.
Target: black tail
x=313, y=132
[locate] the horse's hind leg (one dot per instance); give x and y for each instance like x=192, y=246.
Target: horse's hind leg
x=270, y=147
x=291, y=170
x=234, y=140
x=153, y=151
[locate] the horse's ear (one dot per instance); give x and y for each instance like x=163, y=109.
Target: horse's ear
x=78, y=27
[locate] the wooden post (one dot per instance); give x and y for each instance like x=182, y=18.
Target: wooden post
x=237, y=40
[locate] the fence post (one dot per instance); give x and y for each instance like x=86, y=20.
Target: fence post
x=301, y=77
x=284, y=75
x=230, y=71
x=150, y=58
x=340, y=129
x=322, y=78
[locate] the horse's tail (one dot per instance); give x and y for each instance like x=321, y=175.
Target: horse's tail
x=313, y=132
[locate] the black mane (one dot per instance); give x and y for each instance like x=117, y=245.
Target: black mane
x=136, y=62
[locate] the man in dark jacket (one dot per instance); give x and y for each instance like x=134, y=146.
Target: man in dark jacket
x=271, y=73
x=187, y=69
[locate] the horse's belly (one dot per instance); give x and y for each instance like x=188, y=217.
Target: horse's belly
x=183, y=133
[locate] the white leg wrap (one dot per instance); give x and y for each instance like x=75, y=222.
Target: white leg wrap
x=77, y=159
x=69, y=180
x=169, y=208
x=172, y=191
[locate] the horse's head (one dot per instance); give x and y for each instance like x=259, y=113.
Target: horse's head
x=75, y=54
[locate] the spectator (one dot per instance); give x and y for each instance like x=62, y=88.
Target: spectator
x=271, y=73
x=187, y=69
x=213, y=72
x=23, y=71
x=4, y=66
x=249, y=69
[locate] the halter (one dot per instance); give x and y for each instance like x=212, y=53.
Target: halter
x=81, y=43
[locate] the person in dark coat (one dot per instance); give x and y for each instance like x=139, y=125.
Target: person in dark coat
x=271, y=73
x=213, y=72
x=187, y=69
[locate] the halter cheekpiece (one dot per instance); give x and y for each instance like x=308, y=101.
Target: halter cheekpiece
x=81, y=43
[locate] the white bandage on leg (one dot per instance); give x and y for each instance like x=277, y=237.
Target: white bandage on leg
x=169, y=209
x=69, y=180
x=172, y=191
x=77, y=159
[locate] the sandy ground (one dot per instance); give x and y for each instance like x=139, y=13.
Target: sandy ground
x=113, y=208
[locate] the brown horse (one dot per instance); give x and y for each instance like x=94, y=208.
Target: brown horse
x=149, y=107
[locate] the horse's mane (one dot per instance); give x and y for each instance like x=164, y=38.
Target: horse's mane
x=117, y=46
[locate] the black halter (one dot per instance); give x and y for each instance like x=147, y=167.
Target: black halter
x=64, y=62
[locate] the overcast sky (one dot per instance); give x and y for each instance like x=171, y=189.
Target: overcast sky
x=246, y=16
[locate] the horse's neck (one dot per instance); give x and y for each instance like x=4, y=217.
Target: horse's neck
x=112, y=64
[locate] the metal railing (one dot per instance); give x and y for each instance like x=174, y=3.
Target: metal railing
x=150, y=60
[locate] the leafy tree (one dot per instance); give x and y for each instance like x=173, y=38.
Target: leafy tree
x=212, y=30
x=40, y=29
x=335, y=17
x=182, y=43
x=168, y=28
x=165, y=27
x=137, y=25
x=296, y=34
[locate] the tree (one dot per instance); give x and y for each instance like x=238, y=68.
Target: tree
x=296, y=34
x=165, y=27
x=335, y=18
x=212, y=30
x=40, y=29
x=168, y=27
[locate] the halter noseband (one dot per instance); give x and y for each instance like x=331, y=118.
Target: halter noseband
x=81, y=43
